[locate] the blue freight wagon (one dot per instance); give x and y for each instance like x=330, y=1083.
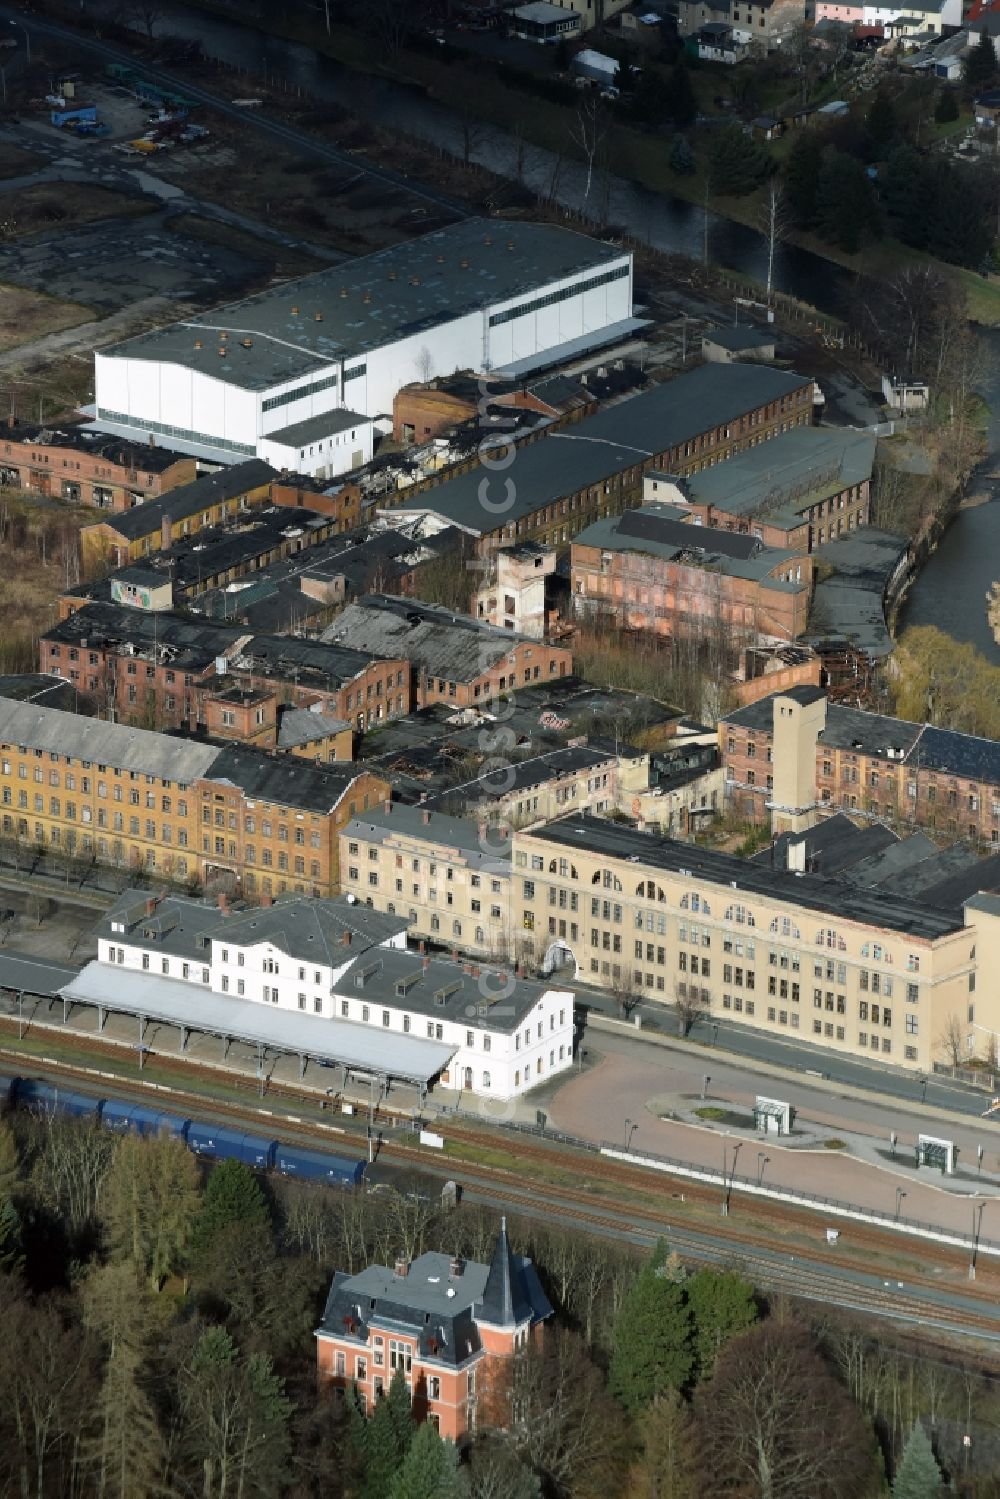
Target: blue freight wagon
x=46, y=1098
x=316, y=1166
x=231, y=1145
x=133, y=1118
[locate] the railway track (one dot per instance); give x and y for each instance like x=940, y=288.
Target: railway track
x=812, y=1274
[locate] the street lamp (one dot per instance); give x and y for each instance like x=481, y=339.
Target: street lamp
x=762, y=1161
x=630, y=1130
x=704, y=1086
x=977, y=1223
x=923, y=1089
x=728, y=1182
x=900, y=1194
x=27, y=38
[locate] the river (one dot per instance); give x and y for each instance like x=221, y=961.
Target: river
x=951, y=588
x=665, y=222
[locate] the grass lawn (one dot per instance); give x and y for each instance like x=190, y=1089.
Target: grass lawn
x=26, y=315
x=51, y=205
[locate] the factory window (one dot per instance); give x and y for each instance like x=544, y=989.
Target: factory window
x=167, y=431
x=355, y=371
x=535, y=304
x=288, y=396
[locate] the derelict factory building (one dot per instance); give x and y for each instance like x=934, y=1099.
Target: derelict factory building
x=310, y=362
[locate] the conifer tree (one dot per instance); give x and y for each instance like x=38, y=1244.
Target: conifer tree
x=232, y=1195
x=722, y=1304
x=430, y=1469
x=917, y=1475
x=652, y=1337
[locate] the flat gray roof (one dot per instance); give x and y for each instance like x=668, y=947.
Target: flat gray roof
x=779, y=479
x=32, y=975
x=617, y=438
x=661, y=535
x=736, y=339
x=315, y=428
x=454, y=647
x=371, y=301
x=174, y=1002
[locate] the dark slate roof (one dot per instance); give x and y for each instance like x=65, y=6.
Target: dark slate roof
x=759, y=715
x=187, y=499
x=831, y=846
x=897, y=913
x=440, y=1299
x=445, y=989
x=283, y=779
x=39, y=687
x=306, y=930
x=506, y=1301
x=519, y=775
x=960, y=754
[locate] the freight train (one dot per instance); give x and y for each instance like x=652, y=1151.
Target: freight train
x=215, y=1142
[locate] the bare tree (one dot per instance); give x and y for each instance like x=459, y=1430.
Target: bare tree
x=776, y=1423
x=625, y=995
x=692, y=1003
x=147, y=16
x=773, y=222
x=952, y=1041
x=424, y=364
x=587, y=133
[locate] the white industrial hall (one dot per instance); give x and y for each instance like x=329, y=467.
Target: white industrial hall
x=271, y=373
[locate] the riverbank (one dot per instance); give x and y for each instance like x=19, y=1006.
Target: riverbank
x=636, y=156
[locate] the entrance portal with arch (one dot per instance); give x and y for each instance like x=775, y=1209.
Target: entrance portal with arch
x=559, y=955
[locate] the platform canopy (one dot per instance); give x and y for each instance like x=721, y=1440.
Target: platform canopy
x=361, y=1048
x=30, y=975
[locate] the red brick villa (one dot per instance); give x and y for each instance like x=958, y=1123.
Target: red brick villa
x=447, y=1323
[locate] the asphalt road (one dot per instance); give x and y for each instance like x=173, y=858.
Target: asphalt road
x=710, y=1036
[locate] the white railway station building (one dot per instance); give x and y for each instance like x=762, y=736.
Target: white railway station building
x=329, y=980
x=305, y=368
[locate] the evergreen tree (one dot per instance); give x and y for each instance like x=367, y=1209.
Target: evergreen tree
x=430, y=1470
x=669, y=1466
x=917, y=1474
x=946, y=108
x=235, y=1420
x=382, y=1452
x=802, y=169
x=905, y=187
x=736, y=163
x=722, y=1304
x=881, y=122
x=232, y=1195
x=127, y=1451
x=652, y=1337
x=650, y=101
x=400, y=1407
x=847, y=210
x=981, y=62
x=683, y=105
x=682, y=157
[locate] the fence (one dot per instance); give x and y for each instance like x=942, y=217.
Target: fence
x=834, y=1205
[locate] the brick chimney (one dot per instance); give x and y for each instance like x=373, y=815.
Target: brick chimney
x=427, y=818
x=346, y=939
x=387, y=804
x=150, y=905
x=402, y=1267
x=223, y=902
x=425, y=963
x=456, y=1268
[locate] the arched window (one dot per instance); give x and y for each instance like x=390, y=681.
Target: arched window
x=692, y=901
x=740, y=915
x=785, y=926
x=649, y=890
x=877, y=952
x=827, y=937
